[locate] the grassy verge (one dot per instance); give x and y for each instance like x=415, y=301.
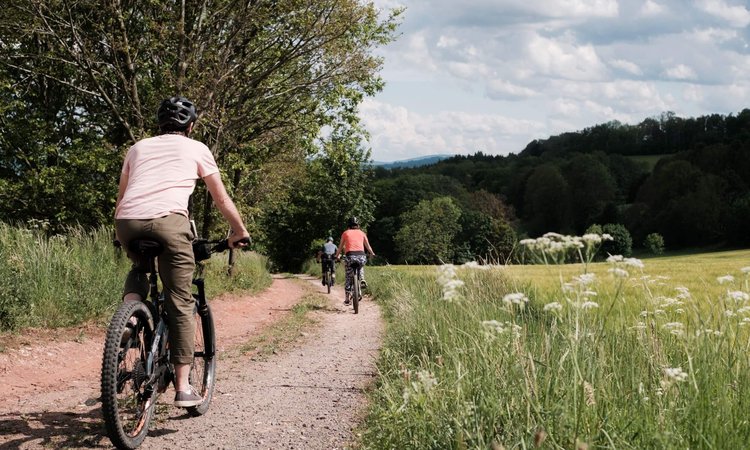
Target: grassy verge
x=657, y=359
x=69, y=279
x=287, y=330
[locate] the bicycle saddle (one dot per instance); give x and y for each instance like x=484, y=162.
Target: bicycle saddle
x=145, y=247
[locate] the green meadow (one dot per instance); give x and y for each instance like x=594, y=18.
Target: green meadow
x=65, y=280
x=599, y=355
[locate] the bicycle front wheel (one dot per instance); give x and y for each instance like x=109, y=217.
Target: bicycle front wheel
x=203, y=369
x=127, y=399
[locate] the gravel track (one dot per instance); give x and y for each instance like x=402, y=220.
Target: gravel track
x=308, y=396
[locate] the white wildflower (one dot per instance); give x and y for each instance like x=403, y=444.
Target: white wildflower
x=554, y=306
x=639, y=326
x=738, y=296
x=684, y=293
x=607, y=237
x=729, y=313
x=589, y=305
x=725, y=279
x=744, y=310
x=618, y=273
x=745, y=270
x=675, y=374
x=515, y=298
x=633, y=262
x=449, y=282
x=614, y=258
x=427, y=380
x=591, y=238
x=494, y=327
x=585, y=279
x=675, y=328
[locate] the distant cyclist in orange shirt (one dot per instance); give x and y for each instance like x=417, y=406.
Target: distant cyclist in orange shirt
x=354, y=242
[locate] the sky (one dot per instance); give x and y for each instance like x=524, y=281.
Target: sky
x=492, y=75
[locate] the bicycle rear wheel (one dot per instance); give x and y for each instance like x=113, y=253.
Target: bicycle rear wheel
x=328, y=280
x=203, y=369
x=356, y=291
x=127, y=399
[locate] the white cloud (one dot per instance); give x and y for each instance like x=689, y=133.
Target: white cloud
x=397, y=133
x=680, y=72
x=651, y=8
x=549, y=66
x=502, y=89
x=714, y=35
x=627, y=66
x=571, y=8
x=736, y=15
x=557, y=58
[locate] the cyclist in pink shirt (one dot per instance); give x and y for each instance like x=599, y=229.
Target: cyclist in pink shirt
x=354, y=242
x=158, y=176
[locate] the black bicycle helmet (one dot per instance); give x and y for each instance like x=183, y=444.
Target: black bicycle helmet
x=353, y=222
x=176, y=113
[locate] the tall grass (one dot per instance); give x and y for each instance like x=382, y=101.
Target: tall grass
x=68, y=279
x=610, y=363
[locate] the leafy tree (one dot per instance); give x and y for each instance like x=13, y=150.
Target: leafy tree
x=592, y=187
x=267, y=75
x=546, y=200
x=654, y=243
x=330, y=188
x=428, y=232
x=621, y=243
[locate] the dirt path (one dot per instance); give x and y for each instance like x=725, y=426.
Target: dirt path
x=310, y=396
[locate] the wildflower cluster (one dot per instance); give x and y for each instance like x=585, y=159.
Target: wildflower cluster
x=672, y=375
x=493, y=328
x=516, y=298
x=419, y=388
x=621, y=265
x=557, y=248
x=448, y=280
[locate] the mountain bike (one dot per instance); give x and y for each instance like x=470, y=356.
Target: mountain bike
x=356, y=294
x=328, y=272
x=136, y=367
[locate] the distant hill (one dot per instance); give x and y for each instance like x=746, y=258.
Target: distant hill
x=412, y=162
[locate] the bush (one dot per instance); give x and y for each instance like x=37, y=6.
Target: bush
x=654, y=243
x=621, y=243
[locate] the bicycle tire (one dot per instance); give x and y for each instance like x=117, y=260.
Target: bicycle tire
x=328, y=280
x=203, y=368
x=356, y=291
x=127, y=400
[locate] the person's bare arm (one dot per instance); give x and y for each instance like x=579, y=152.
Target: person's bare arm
x=367, y=246
x=121, y=190
x=226, y=207
x=338, y=249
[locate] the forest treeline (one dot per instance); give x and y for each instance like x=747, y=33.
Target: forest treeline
x=685, y=179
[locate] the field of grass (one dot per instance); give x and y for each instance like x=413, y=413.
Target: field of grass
x=69, y=279
x=544, y=356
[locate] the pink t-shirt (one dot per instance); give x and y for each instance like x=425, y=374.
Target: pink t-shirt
x=161, y=174
x=353, y=240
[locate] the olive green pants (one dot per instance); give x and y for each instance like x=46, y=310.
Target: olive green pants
x=176, y=266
